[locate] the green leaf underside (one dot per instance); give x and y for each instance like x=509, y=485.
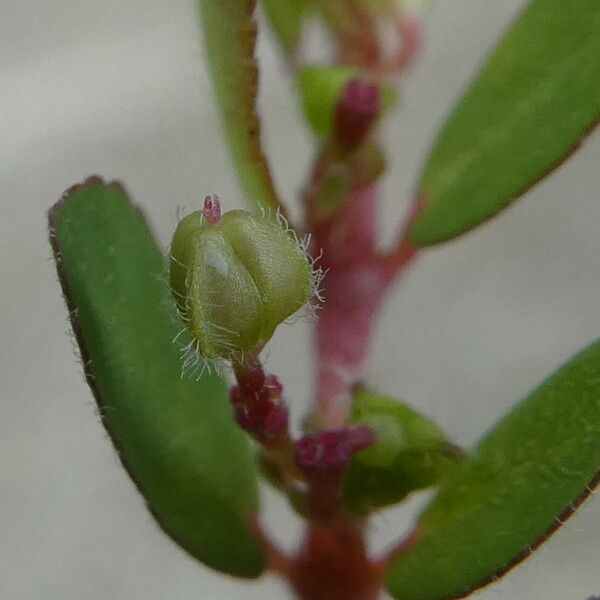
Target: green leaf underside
x=285, y=18
x=175, y=436
x=229, y=38
x=533, y=102
x=411, y=453
x=527, y=475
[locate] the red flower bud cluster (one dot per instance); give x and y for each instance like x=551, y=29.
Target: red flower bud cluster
x=257, y=401
x=329, y=452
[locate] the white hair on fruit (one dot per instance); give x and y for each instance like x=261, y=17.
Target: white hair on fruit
x=222, y=339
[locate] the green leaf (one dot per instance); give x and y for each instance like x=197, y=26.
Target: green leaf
x=533, y=102
x=411, y=453
x=527, y=475
x=286, y=18
x=175, y=436
x=229, y=38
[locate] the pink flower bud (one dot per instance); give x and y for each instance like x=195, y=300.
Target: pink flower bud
x=356, y=111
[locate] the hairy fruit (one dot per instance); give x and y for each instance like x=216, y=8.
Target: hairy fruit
x=235, y=278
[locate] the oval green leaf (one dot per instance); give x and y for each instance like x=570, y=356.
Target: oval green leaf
x=527, y=475
x=530, y=106
x=411, y=453
x=175, y=436
x=230, y=37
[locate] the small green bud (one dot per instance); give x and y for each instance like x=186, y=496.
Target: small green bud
x=399, y=428
x=236, y=278
x=390, y=441
x=410, y=453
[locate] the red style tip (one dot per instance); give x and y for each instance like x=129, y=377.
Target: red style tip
x=212, y=209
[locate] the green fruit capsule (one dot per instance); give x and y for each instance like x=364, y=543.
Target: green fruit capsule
x=235, y=278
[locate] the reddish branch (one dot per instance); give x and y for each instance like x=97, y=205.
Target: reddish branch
x=358, y=275
x=332, y=562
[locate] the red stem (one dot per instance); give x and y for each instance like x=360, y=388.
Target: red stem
x=277, y=561
x=332, y=562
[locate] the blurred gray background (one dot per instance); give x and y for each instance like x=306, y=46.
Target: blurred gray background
x=119, y=88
